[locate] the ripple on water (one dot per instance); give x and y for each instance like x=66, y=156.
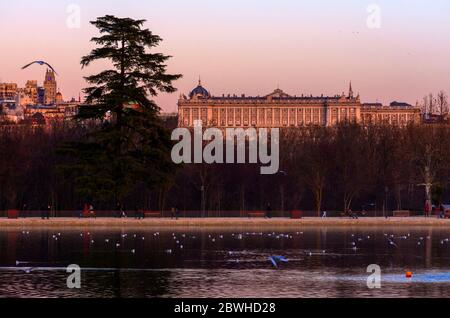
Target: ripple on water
x=321, y=263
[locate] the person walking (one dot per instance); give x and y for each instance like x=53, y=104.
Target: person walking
x=427, y=208
x=92, y=211
x=174, y=213
x=122, y=212
x=442, y=212
x=24, y=210
x=81, y=211
x=47, y=211
x=269, y=211
x=118, y=211
x=138, y=213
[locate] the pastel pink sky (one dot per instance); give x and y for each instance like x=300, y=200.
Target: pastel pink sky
x=249, y=46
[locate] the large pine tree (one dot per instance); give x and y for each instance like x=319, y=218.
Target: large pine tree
x=126, y=143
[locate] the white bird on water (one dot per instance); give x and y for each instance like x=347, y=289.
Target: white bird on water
x=391, y=242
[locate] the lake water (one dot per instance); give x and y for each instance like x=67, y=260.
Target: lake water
x=322, y=262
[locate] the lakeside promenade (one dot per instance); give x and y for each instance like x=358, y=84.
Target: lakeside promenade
x=224, y=223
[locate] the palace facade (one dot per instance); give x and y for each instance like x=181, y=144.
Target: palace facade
x=280, y=110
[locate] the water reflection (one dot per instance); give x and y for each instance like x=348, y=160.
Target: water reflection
x=327, y=262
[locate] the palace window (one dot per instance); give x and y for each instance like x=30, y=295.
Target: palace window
x=353, y=114
x=195, y=114
x=394, y=119
x=230, y=113
x=223, y=117
x=316, y=117
x=269, y=117
x=300, y=116
x=254, y=116
x=292, y=117
x=204, y=116
x=403, y=119
x=215, y=117
x=186, y=116
x=237, y=116
x=261, y=116
x=308, y=116
x=277, y=117
x=246, y=116
x=344, y=115
x=334, y=116
x=285, y=117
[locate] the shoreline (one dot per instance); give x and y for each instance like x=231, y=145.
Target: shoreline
x=223, y=223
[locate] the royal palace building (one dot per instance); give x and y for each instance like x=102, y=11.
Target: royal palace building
x=281, y=110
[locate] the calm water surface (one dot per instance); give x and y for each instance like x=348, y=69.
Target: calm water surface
x=147, y=263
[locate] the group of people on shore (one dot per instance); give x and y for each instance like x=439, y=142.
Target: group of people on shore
x=430, y=209
x=88, y=211
x=120, y=212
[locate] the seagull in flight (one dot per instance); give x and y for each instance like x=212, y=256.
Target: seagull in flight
x=40, y=63
x=277, y=259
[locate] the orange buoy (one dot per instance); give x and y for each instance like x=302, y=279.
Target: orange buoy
x=408, y=274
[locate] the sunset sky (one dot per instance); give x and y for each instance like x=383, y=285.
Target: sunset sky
x=249, y=46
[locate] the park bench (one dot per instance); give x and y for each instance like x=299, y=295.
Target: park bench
x=87, y=214
x=402, y=214
x=13, y=214
x=256, y=215
x=152, y=214
x=296, y=214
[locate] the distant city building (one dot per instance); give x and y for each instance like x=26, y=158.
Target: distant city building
x=50, y=87
x=8, y=102
x=59, y=98
x=8, y=91
x=35, y=105
x=436, y=119
x=166, y=116
x=41, y=95
x=399, y=114
x=31, y=90
x=281, y=110
x=24, y=98
x=50, y=113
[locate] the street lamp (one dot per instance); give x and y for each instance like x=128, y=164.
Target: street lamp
x=282, y=174
x=202, y=189
x=386, y=191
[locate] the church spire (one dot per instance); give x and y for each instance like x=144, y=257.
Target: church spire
x=350, y=91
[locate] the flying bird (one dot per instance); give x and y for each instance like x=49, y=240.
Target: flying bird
x=40, y=63
x=277, y=259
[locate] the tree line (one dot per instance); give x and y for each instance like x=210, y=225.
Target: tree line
x=321, y=168
x=435, y=104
